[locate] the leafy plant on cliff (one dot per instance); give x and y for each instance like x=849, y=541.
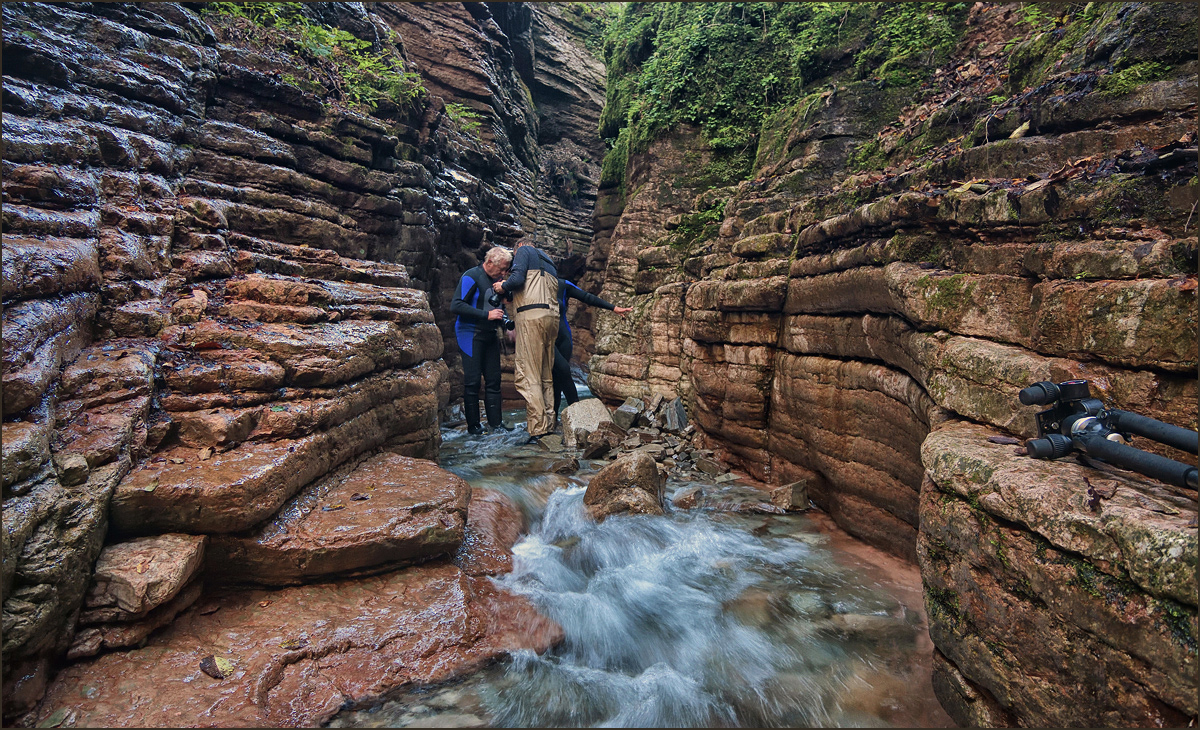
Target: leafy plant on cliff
x=359, y=72
x=464, y=117
x=726, y=67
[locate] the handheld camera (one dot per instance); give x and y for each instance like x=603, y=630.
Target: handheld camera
x=497, y=301
x=1077, y=421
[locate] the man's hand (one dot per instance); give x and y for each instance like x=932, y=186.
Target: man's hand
x=496, y=314
x=498, y=287
x=622, y=310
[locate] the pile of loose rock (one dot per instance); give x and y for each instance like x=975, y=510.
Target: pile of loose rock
x=658, y=428
x=638, y=434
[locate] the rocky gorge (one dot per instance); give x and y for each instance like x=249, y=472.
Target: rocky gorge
x=228, y=350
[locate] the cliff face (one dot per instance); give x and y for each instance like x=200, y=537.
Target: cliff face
x=862, y=314
x=225, y=283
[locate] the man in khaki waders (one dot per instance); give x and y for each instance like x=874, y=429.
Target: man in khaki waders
x=533, y=281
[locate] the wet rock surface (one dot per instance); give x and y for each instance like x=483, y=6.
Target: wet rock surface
x=223, y=283
x=841, y=310
x=298, y=655
x=388, y=511
x=630, y=484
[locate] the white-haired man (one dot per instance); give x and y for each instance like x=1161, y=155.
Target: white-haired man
x=478, y=338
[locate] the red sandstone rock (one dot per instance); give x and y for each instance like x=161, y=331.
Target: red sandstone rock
x=630, y=484
x=494, y=524
x=391, y=510
x=133, y=577
x=300, y=654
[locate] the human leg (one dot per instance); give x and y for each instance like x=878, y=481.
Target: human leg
x=491, y=379
x=472, y=365
x=534, y=370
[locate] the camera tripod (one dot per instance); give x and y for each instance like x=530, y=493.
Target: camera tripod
x=1077, y=421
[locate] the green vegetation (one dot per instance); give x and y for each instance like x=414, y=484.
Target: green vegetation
x=464, y=117
x=701, y=224
x=727, y=67
x=359, y=73
x=1125, y=81
x=943, y=604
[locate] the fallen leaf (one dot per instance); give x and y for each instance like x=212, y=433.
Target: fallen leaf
x=1007, y=440
x=278, y=408
x=208, y=665
x=206, y=453
x=359, y=496
x=1037, y=185
x=333, y=507
x=225, y=666
x=264, y=604
x=293, y=644
x=1153, y=506
x=1105, y=488
x=151, y=486
x=141, y=567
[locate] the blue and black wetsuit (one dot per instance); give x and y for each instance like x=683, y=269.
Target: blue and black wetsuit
x=564, y=386
x=479, y=341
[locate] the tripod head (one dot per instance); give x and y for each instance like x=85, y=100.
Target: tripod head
x=1077, y=421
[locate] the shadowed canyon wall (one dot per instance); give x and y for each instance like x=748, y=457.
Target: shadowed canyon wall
x=226, y=292
x=861, y=314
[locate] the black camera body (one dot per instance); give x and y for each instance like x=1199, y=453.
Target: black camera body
x=497, y=301
x=1077, y=421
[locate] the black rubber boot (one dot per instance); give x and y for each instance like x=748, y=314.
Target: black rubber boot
x=491, y=403
x=471, y=410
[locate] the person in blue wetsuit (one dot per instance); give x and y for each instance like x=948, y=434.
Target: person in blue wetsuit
x=564, y=386
x=478, y=338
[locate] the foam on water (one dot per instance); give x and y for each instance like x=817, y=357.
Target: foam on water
x=695, y=618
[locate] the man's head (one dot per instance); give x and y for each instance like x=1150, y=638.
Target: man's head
x=497, y=262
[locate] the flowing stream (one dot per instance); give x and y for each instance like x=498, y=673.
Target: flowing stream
x=693, y=619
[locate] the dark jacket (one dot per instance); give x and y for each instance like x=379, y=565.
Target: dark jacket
x=471, y=307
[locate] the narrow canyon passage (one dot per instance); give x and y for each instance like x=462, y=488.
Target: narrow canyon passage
x=698, y=618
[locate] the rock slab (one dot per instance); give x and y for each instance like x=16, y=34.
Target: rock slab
x=391, y=510
x=136, y=576
x=300, y=654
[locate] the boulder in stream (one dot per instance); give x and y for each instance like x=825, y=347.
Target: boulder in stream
x=632, y=484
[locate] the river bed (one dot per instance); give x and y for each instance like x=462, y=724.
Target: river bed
x=697, y=618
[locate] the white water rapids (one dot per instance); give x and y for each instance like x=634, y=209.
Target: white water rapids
x=693, y=619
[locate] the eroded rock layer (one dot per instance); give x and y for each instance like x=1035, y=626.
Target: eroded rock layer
x=861, y=314
x=226, y=289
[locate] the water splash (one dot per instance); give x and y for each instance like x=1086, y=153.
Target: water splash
x=693, y=619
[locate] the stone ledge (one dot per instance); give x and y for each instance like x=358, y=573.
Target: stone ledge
x=1132, y=533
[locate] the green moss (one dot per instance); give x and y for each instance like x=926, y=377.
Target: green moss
x=1179, y=621
x=1128, y=196
x=908, y=247
x=949, y=292
x=867, y=156
x=367, y=73
x=729, y=67
x=700, y=225
x=943, y=605
x=1129, y=79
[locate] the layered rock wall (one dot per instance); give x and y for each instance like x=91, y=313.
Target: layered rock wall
x=226, y=288
x=865, y=326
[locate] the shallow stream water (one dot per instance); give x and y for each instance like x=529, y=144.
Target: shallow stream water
x=696, y=618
